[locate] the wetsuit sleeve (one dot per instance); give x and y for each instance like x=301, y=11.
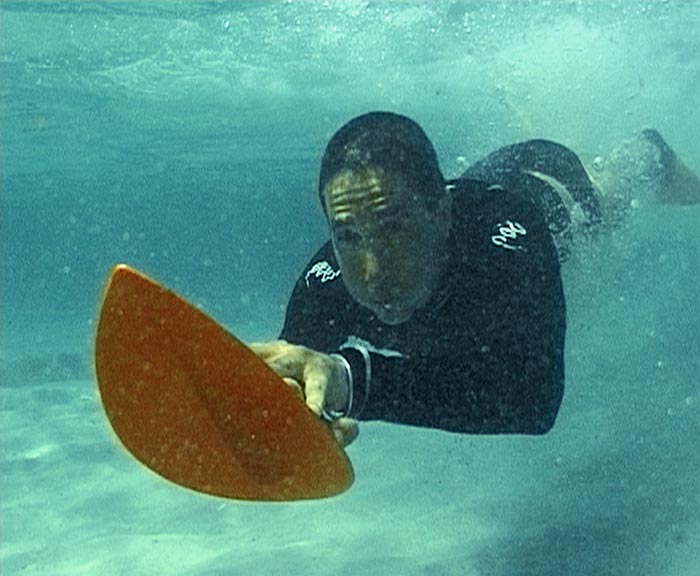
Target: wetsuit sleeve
x=493, y=361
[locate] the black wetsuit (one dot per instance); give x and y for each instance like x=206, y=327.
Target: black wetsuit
x=486, y=354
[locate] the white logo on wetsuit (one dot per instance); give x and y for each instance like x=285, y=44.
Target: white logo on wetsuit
x=507, y=233
x=322, y=270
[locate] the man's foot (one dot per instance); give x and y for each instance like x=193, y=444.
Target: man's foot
x=641, y=170
x=677, y=183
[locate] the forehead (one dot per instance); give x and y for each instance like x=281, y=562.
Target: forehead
x=353, y=193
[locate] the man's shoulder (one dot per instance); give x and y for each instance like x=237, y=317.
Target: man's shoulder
x=491, y=218
x=322, y=269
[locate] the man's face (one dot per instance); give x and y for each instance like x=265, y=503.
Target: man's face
x=389, y=247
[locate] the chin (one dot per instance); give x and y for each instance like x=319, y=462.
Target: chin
x=392, y=321
x=393, y=314
x=393, y=318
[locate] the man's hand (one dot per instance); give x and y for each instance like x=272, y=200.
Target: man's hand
x=319, y=379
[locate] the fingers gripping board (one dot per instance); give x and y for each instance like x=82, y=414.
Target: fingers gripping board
x=196, y=406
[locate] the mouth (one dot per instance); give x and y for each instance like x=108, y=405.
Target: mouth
x=390, y=305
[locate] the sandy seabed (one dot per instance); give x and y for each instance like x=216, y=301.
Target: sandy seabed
x=613, y=489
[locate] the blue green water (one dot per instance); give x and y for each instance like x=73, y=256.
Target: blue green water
x=184, y=138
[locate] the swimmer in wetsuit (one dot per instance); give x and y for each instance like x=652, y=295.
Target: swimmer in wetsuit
x=438, y=303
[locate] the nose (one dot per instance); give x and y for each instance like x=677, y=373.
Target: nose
x=369, y=265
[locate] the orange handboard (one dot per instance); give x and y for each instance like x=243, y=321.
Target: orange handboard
x=196, y=406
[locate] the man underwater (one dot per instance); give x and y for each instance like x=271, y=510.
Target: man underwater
x=439, y=303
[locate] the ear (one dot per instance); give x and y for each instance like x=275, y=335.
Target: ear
x=443, y=212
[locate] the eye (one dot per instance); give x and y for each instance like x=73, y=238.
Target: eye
x=392, y=226
x=347, y=236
